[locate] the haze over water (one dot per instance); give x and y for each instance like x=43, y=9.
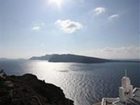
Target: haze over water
x=84, y=83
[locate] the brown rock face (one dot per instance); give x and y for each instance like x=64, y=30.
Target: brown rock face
x=28, y=90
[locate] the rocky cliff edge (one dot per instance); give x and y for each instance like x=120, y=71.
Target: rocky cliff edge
x=28, y=90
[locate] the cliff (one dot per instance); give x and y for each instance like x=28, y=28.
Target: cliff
x=28, y=90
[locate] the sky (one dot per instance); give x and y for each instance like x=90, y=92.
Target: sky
x=98, y=28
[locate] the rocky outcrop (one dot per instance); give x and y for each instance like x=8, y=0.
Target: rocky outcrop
x=28, y=90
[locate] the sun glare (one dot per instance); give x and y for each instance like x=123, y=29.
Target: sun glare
x=58, y=3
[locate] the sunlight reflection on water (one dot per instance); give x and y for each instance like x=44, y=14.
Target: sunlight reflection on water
x=83, y=83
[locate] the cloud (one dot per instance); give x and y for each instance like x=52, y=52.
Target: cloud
x=99, y=10
x=68, y=26
x=38, y=27
x=126, y=52
x=114, y=16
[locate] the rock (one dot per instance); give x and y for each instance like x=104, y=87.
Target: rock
x=2, y=74
x=28, y=90
x=9, y=84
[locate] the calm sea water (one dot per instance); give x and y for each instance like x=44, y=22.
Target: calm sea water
x=84, y=83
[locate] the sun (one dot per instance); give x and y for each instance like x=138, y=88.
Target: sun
x=58, y=3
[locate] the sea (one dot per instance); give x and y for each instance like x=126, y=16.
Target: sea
x=85, y=84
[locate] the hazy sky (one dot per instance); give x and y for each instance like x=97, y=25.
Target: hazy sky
x=101, y=28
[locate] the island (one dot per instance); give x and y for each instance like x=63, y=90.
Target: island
x=29, y=90
x=70, y=58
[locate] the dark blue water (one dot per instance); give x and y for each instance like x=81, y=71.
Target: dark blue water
x=84, y=83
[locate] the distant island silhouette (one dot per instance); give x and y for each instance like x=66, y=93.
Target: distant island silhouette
x=72, y=58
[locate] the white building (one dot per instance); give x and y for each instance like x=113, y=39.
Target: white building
x=127, y=95
x=126, y=90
